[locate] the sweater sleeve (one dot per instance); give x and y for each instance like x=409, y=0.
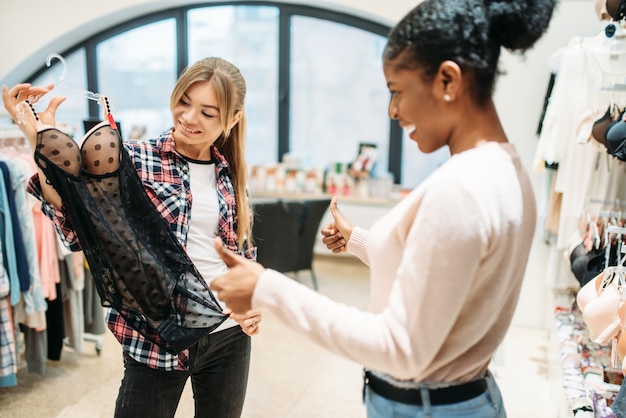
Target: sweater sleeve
x=358, y=244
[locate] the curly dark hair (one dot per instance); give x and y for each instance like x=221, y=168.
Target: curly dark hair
x=468, y=32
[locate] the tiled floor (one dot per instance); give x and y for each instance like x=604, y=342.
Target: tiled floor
x=290, y=378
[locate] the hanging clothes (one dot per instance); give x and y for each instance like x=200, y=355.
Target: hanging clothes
x=581, y=95
x=30, y=310
x=45, y=236
x=583, y=167
x=23, y=307
x=8, y=350
x=73, y=309
x=28, y=263
x=13, y=243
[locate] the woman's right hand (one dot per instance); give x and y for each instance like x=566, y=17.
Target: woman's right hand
x=13, y=99
x=337, y=234
x=14, y=102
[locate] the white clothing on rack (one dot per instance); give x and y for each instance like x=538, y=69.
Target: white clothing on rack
x=578, y=99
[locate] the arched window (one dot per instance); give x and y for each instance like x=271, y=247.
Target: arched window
x=316, y=89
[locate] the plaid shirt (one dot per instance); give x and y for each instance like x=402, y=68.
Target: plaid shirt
x=165, y=176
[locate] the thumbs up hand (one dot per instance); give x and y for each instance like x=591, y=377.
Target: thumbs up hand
x=236, y=287
x=337, y=234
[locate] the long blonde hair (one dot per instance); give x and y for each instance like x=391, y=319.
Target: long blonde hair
x=230, y=88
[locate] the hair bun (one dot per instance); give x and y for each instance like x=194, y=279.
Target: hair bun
x=518, y=24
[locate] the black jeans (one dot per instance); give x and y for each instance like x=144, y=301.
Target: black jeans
x=219, y=366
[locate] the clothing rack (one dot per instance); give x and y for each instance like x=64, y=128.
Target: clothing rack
x=32, y=273
x=587, y=188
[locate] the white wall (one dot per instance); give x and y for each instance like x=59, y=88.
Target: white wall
x=31, y=30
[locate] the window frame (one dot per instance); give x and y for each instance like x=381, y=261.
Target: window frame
x=286, y=12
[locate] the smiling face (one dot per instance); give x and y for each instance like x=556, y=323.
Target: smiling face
x=418, y=106
x=197, y=121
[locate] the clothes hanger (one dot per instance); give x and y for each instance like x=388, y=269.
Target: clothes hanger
x=611, y=231
x=97, y=97
x=34, y=99
x=83, y=93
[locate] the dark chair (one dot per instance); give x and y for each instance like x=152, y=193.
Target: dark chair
x=275, y=232
x=312, y=213
x=285, y=233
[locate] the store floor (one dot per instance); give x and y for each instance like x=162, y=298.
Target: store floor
x=289, y=378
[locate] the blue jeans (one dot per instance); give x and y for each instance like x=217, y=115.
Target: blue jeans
x=218, y=367
x=619, y=404
x=487, y=405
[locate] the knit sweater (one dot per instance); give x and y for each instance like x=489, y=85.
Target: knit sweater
x=446, y=268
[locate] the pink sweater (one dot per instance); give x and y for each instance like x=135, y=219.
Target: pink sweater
x=447, y=265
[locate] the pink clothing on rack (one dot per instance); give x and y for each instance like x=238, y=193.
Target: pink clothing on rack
x=45, y=236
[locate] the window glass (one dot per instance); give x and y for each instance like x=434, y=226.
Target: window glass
x=137, y=71
x=338, y=95
x=75, y=108
x=337, y=99
x=247, y=36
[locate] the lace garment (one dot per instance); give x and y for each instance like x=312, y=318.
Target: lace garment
x=139, y=266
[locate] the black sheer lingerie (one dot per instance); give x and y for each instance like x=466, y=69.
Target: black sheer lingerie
x=139, y=266
x=610, y=131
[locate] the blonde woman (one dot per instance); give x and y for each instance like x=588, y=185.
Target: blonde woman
x=196, y=176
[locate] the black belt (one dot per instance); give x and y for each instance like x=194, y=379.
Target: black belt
x=413, y=396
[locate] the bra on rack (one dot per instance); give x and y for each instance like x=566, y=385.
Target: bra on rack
x=616, y=9
x=610, y=130
x=600, y=302
x=600, y=126
x=139, y=266
x=588, y=264
x=615, y=137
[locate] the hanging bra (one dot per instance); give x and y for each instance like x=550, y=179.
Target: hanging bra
x=616, y=9
x=602, y=316
x=139, y=266
x=616, y=138
x=600, y=126
x=600, y=302
x=610, y=131
x=588, y=266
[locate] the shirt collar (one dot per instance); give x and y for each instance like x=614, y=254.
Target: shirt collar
x=220, y=160
x=166, y=143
